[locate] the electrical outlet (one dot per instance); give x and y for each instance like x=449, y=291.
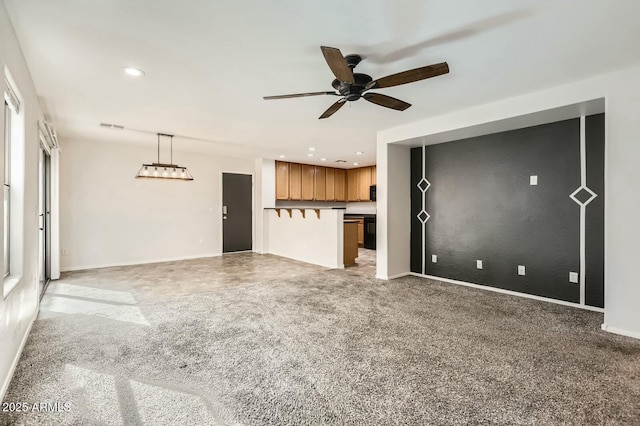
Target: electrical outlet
x=479, y=264
x=521, y=270
x=533, y=180
x=573, y=277
x=201, y=242
x=65, y=252
x=434, y=258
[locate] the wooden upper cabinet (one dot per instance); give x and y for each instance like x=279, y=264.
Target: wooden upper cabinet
x=308, y=182
x=320, y=183
x=303, y=182
x=353, y=184
x=365, y=183
x=330, y=183
x=340, y=184
x=282, y=180
x=295, y=181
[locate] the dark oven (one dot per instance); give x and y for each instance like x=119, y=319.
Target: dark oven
x=370, y=232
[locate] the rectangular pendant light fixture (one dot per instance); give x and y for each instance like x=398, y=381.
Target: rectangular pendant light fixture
x=164, y=171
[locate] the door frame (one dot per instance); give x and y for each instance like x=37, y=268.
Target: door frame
x=45, y=253
x=253, y=208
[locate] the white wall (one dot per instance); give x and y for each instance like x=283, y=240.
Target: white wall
x=621, y=92
x=268, y=168
x=110, y=218
x=393, y=219
x=19, y=308
x=308, y=239
x=361, y=207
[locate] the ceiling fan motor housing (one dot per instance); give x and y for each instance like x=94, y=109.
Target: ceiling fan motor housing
x=352, y=91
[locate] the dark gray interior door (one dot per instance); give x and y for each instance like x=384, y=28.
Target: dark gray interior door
x=237, y=212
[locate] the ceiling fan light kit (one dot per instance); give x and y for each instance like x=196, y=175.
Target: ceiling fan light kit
x=162, y=170
x=353, y=86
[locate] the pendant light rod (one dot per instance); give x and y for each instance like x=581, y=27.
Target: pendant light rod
x=168, y=136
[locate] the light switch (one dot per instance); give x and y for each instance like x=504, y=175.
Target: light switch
x=573, y=277
x=479, y=264
x=434, y=258
x=521, y=270
x=533, y=180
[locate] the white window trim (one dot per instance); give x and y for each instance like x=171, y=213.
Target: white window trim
x=18, y=164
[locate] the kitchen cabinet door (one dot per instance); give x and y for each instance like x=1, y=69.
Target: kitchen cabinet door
x=353, y=184
x=340, y=186
x=365, y=183
x=295, y=181
x=282, y=180
x=374, y=175
x=330, y=179
x=308, y=184
x=350, y=243
x=320, y=182
x=360, y=232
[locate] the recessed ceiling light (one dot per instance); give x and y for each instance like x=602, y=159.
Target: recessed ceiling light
x=310, y=154
x=282, y=156
x=359, y=152
x=323, y=159
x=356, y=164
x=132, y=71
x=312, y=149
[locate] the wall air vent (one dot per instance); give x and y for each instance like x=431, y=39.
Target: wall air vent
x=112, y=126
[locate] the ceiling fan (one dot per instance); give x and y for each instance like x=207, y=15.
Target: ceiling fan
x=353, y=86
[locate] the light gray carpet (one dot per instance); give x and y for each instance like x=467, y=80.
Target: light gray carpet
x=333, y=348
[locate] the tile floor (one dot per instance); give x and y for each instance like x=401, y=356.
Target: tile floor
x=113, y=292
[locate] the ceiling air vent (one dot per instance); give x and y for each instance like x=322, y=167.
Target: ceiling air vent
x=341, y=161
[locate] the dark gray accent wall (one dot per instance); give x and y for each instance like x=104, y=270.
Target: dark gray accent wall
x=594, y=229
x=479, y=205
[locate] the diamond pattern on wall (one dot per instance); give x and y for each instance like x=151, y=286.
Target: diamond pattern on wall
x=423, y=185
x=583, y=195
x=423, y=216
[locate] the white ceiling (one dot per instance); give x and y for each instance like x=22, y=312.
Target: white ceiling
x=209, y=62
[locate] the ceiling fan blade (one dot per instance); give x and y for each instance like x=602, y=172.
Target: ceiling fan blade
x=299, y=95
x=386, y=101
x=410, y=76
x=338, y=65
x=333, y=108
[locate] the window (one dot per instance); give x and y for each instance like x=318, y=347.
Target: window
x=13, y=186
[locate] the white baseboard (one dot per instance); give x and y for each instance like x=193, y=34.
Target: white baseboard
x=393, y=277
x=404, y=274
x=510, y=292
x=620, y=331
x=138, y=262
x=16, y=359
